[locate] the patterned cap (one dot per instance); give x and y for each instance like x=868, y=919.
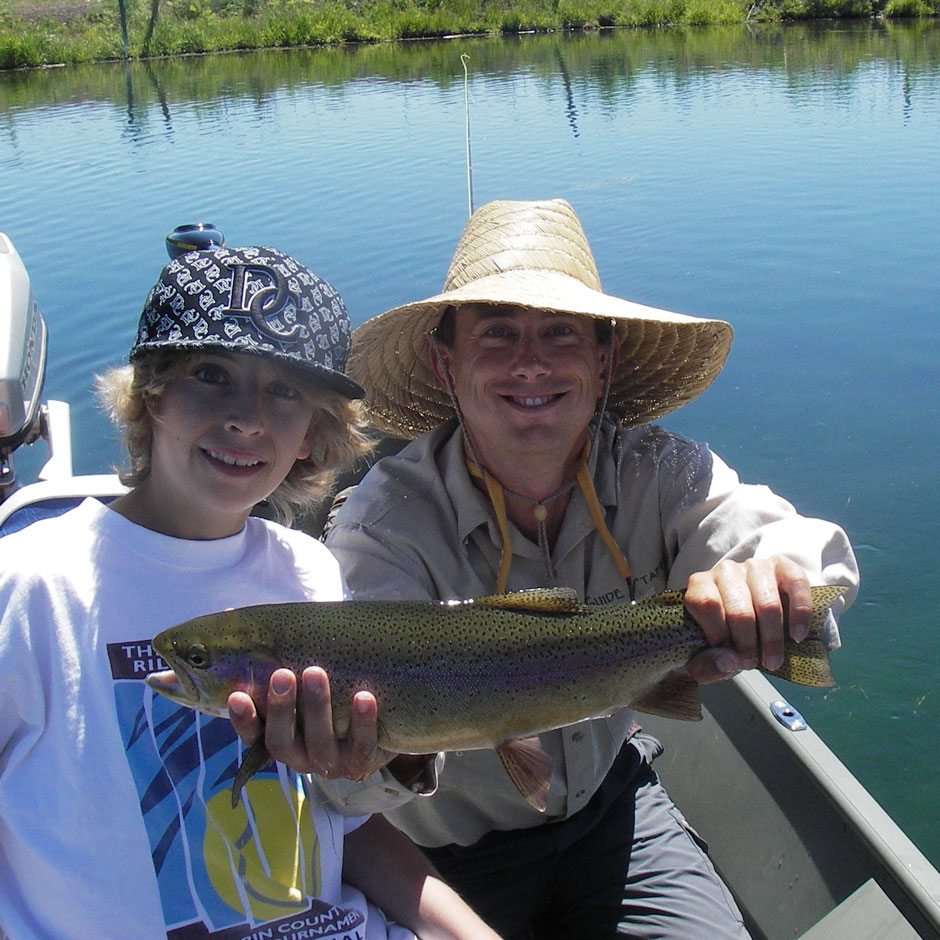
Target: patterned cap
x=256, y=300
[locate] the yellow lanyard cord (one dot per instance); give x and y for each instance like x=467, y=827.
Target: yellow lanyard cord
x=597, y=516
x=495, y=492
x=586, y=484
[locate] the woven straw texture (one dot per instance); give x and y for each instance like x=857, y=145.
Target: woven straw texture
x=536, y=255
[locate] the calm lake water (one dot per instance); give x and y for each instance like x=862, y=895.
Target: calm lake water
x=784, y=179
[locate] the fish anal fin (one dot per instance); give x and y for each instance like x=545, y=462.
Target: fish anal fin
x=675, y=696
x=529, y=768
x=558, y=600
x=254, y=760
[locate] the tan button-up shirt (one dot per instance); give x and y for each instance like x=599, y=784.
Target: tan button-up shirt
x=417, y=528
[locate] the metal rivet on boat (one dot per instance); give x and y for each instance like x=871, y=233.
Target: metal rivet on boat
x=788, y=716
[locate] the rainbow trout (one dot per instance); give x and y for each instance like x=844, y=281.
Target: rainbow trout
x=493, y=672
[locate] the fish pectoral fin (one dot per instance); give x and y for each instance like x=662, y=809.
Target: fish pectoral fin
x=254, y=760
x=529, y=768
x=675, y=696
x=558, y=600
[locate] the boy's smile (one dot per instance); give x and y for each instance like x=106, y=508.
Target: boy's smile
x=226, y=432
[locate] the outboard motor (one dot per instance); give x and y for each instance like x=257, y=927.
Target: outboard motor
x=23, y=341
x=193, y=237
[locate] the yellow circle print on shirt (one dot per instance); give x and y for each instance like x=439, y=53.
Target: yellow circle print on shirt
x=264, y=871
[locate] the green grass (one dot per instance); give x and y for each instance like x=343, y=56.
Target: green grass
x=43, y=32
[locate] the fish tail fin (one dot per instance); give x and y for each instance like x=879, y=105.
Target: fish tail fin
x=256, y=758
x=529, y=768
x=807, y=663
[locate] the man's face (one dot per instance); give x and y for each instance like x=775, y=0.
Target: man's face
x=527, y=381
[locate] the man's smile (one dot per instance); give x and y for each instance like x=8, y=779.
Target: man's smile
x=532, y=401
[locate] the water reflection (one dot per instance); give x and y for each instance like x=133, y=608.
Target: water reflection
x=607, y=63
x=570, y=108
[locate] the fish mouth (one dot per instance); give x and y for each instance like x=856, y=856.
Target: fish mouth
x=182, y=691
x=167, y=683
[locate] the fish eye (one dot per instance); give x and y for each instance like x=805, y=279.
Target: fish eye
x=197, y=656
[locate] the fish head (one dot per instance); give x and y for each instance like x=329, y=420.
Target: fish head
x=209, y=658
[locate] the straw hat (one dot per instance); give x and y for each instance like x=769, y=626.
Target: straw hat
x=536, y=255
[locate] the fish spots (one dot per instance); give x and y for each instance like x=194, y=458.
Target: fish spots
x=449, y=676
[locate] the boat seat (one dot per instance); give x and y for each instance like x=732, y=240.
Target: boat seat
x=34, y=512
x=866, y=914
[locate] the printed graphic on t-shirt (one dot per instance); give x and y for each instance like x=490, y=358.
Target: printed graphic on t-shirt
x=224, y=873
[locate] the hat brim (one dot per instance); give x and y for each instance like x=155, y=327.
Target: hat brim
x=666, y=359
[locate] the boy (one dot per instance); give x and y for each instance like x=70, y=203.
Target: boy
x=115, y=815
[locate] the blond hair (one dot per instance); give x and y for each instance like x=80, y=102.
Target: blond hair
x=128, y=394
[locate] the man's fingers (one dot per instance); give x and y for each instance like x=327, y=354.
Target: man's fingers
x=767, y=607
x=798, y=598
x=353, y=756
x=713, y=664
x=704, y=603
x=720, y=601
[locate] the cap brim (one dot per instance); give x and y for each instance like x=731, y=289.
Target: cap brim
x=331, y=378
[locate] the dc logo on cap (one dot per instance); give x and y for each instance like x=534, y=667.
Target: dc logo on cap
x=261, y=303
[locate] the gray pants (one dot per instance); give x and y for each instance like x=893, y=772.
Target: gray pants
x=627, y=865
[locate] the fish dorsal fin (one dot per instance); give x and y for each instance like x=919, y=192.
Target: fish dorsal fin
x=675, y=696
x=557, y=600
x=666, y=599
x=529, y=768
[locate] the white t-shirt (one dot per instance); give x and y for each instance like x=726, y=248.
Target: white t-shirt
x=115, y=803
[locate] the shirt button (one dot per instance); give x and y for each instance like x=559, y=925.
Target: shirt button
x=577, y=736
x=579, y=795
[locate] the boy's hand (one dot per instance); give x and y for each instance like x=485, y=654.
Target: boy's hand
x=314, y=749
x=742, y=606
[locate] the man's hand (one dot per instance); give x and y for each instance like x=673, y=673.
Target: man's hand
x=742, y=607
x=311, y=746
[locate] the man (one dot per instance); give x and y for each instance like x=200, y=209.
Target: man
x=529, y=393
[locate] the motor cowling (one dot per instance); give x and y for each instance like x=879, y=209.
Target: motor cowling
x=23, y=342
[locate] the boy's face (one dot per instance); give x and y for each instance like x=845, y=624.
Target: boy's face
x=226, y=432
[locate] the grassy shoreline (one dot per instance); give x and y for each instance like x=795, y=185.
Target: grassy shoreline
x=35, y=33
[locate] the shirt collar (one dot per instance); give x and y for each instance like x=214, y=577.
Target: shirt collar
x=472, y=506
